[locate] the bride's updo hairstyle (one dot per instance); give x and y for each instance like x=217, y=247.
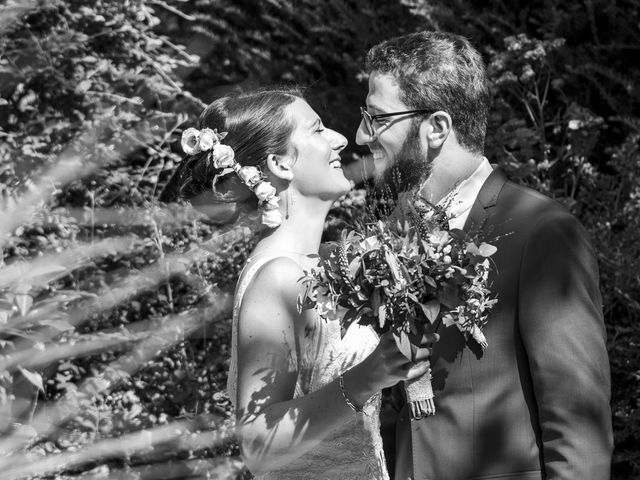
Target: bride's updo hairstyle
x=257, y=126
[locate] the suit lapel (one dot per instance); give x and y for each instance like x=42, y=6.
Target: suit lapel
x=487, y=198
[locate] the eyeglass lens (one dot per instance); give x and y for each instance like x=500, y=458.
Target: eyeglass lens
x=368, y=121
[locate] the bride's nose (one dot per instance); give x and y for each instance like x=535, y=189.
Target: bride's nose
x=338, y=141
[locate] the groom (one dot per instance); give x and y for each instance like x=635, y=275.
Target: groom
x=535, y=403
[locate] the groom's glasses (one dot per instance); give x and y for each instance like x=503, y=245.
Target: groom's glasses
x=369, y=119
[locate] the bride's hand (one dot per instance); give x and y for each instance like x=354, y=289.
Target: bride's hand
x=386, y=366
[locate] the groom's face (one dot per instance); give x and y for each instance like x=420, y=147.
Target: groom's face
x=399, y=159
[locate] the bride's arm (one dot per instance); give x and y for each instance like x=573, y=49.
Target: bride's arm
x=273, y=427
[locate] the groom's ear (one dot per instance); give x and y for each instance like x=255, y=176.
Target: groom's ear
x=280, y=166
x=436, y=129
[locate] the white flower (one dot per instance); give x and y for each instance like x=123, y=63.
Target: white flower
x=190, y=141
x=250, y=176
x=264, y=191
x=208, y=139
x=527, y=74
x=223, y=156
x=439, y=238
x=272, y=203
x=370, y=243
x=271, y=218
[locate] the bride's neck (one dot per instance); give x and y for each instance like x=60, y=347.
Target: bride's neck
x=301, y=228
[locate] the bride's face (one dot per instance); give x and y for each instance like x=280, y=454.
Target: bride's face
x=317, y=170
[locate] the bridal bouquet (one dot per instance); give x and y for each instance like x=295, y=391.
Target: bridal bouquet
x=408, y=278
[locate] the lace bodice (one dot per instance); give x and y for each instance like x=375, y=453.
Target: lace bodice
x=353, y=450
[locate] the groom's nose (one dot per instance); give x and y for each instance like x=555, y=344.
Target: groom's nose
x=362, y=137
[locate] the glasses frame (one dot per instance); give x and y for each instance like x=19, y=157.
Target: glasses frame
x=369, y=119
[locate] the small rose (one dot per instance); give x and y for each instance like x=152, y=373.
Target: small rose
x=208, y=139
x=264, y=191
x=250, y=176
x=271, y=218
x=272, y=203
x=190, y=141
x=223, y=156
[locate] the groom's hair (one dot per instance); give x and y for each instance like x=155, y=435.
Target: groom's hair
x=439, y=71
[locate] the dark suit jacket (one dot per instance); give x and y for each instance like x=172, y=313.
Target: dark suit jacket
x=535, y=403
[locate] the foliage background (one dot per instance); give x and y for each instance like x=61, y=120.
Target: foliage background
x=114, y=308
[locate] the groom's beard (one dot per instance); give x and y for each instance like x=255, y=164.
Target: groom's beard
x=410, y=168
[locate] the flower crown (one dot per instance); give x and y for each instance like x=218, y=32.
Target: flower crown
x=223, y=157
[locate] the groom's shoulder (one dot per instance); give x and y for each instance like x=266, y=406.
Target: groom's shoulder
x=535, y=215
x=528, y=201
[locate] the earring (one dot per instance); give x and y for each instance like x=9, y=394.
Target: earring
x=289, y=202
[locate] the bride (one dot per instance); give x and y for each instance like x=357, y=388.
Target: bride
x=307, y=400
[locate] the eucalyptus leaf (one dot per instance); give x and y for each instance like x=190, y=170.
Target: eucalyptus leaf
x=403, y=343
x=430, y=281
x=354, y=266
x=448, y=320
x=392, y=262
x=431, y=309
x=412, y=325
x=376, y=298
x=382, y=315
x=487, y=250
x=473, y=249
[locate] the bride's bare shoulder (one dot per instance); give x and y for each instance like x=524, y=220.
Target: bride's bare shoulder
x=275, y=286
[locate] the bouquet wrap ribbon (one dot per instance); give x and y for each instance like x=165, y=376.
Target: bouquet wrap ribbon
x=420, y=396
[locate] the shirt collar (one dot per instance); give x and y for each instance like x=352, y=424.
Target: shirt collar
x=458, y=203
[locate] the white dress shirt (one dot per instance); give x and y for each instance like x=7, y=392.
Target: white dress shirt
x=462, y=198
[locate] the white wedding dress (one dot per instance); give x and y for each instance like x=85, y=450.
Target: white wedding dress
x=352, y=450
